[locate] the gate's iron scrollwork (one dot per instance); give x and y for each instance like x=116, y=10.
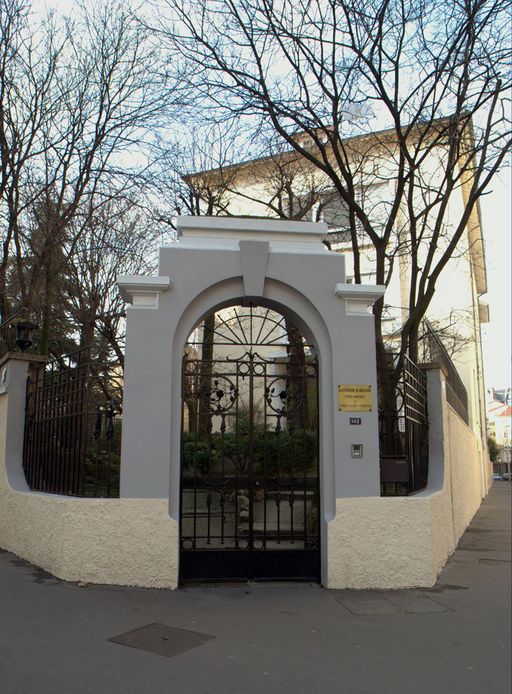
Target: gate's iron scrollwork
x=249, y=486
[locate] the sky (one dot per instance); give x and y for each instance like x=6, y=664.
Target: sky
x=497, y=226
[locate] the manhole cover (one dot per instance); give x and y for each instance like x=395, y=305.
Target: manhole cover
x=361, y=606
x=162, y=639
x=397, y=604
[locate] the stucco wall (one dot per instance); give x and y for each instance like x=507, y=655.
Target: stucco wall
x=117, y=541
x=380, y=543
x=397, y=542
x=367, y=541
x=372, y=542
x=455, y=506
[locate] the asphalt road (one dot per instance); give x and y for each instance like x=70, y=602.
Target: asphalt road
x=55, y=637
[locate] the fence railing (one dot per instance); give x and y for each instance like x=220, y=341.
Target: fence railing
x=403, y=429
x=73, y=421
x=433, y=351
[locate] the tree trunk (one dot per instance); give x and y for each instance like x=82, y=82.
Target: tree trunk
x=387, y=380
x=298, y=411
x=47, y=305
x=205, y=376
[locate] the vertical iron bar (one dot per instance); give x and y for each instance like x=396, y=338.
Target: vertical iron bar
x=278, y=504
x=222, y=501
x=250, y=452
x=291, y=503
x=27, y=432
x=237, y=450
x=37, y=445
x=265, y=456
x=59, y=431
x=209, y=519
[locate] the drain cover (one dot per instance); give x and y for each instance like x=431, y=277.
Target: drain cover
x=162, y=639
x=396, y=604
x=360, y=606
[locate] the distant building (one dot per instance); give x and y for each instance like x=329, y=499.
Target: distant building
x=504, y=395
x=499, y=417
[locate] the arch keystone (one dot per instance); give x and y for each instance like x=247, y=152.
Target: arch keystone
x=253, y=259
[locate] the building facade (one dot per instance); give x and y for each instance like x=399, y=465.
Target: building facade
x=289, y=186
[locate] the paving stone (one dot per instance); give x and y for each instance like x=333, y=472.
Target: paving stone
x=413, y=604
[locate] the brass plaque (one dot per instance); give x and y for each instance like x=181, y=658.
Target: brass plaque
x=355, y=398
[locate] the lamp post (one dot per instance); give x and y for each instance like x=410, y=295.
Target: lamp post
x=24, y=330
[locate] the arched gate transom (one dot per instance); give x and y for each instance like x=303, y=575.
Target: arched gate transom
x=249, y=473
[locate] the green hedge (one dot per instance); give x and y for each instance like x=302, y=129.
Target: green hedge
x=285, y=452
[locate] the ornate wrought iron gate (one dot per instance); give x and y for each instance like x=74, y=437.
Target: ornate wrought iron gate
x=249, y=483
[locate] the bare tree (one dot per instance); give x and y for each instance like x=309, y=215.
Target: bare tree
x=80, y=102
x=118, y=240
x=323, y=73
x=195, y=176
x=28, y=70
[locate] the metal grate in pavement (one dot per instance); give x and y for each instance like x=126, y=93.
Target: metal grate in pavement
x=365, y=606
x=394, y=605
x=162, y=639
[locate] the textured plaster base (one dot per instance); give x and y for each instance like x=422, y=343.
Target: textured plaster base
x=118, y=541
x=400, y=542
x=379, y=543
x=372, y=542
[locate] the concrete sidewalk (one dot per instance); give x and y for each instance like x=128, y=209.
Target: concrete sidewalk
x=270, y=638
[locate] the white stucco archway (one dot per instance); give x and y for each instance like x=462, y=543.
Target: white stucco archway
x=225, y=261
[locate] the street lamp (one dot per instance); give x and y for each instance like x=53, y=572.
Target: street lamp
x=24, y=330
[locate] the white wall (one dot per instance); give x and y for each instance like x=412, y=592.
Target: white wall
x=399, y=542
x=372, y=542
x=118, y=541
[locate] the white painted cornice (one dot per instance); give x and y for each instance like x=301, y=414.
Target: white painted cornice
x=250, y=228
x=140, y=291
x=359, y=298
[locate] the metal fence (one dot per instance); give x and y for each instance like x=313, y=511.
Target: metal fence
x=432, y=351
x=73, y=421
x=403, y=429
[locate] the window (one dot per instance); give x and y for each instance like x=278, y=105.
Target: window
x=331, y=209
x=334, y=213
